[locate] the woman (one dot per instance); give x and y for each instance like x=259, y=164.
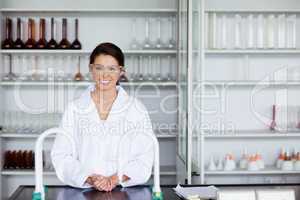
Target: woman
x=96, y=121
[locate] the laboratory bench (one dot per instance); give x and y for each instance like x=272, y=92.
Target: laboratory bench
x=131, y=193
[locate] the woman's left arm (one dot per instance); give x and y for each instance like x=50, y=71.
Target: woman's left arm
x=141, y=154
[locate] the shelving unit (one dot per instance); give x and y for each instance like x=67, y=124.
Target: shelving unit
x=245, y=81
x=231, y=90
x=117, y=23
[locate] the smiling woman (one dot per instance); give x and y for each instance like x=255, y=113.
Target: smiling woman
x=110, y=58
x=97, y=120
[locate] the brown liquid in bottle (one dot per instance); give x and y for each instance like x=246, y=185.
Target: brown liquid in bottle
x=30, y=43
x=64, y=43
x=76, y=44
x=19, y=44
x=52, y=44
x=42, y=43
x=6, y=159
x=19, y=159
x=8, y=41
x=78, y=76
x=13, y=160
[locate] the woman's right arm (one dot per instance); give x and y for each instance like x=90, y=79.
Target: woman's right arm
x=67, y=166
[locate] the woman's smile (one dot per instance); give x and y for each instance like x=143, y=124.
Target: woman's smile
x=104, y=82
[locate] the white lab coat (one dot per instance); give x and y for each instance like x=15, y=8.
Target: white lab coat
x=97, y=141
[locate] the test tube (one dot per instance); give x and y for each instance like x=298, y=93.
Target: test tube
x=250, y=41
x=281, y=31
x=237, y=31
x=271, y=31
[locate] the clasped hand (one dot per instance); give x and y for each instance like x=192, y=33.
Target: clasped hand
x=103, y=183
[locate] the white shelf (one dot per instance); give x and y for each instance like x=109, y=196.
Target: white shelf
x=63, y=11
x=164, y=171
x=252, y=134
x=253, y=11
x=268, y=170
x=162, y=51
x=20, y=135
x=250, y=83
x=67, y=51
x=24, y=172
x=253, y=51
x=166, y=135
x=82, y=83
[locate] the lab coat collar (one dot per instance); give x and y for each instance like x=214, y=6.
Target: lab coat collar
x=121, y=104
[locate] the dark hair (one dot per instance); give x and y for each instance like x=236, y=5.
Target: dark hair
x=111, y=49
x=108, y=49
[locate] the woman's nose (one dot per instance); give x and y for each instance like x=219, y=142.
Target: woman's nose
x=105, y=75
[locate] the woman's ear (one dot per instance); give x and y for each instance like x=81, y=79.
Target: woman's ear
x=122, y=73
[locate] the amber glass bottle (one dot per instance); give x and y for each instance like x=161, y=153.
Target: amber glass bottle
x=19, y=44
x=8, y=41
x=64, y=43
x=76, y=43
x=52, y=44
x=30, y=43
x=42, y=43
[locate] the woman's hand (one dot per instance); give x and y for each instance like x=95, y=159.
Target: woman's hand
x=114, y=181
x=97, y=181
x=103, y=183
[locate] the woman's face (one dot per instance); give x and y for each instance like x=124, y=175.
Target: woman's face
x=105, y=72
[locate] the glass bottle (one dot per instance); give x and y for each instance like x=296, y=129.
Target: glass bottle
x=42, y=43
x=134, y=43
x=24, y=157
x=172, y=29
x=158, y=44
x=6, y=159
x=19, y=44
x=8, y=42
x=19, y=159
x=78, y=76
x=76, y=43
x=30, y=43
x=52, y=44
x=147, y=43
x=64, y=43
x=13, y=160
